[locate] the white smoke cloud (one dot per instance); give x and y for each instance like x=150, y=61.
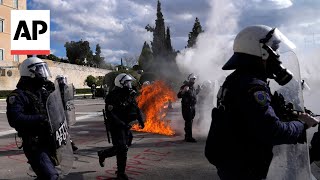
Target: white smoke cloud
x=214, y=45
x=213, y=49
x=226, y=18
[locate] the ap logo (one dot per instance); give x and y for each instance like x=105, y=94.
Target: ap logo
x=30, y=32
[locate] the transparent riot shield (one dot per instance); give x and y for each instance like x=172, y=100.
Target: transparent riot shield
x=290, y=162
x=59, y=129
x=70, y=108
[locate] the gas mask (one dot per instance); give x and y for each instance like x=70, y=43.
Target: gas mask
x=192, y=81
x=270, y=53
x=41, y=72
x=274, y=68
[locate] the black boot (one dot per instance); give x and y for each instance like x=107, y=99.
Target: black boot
x=103, y=154
x=122, y=176
x=190, y=139
x=74, y=147
x=121, y=165
x=188, y=131
x=101, y=158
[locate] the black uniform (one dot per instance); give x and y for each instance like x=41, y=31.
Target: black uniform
x=188, y=102
x=93, y=91
x=245, y=127
x=26, y=113
x=121, y=109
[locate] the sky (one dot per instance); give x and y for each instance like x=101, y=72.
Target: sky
x=117, y=25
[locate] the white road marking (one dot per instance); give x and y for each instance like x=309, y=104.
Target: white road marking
x=86, y=113
x=83, y=132
x=89, y=104
x=3, y=133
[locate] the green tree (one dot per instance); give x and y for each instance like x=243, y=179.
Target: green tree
x=90, y=80
x=78, y=51
x=168, y=42
x=146, y=57
x=159, y=34
x=97, y=59
x=196, y=30
x=99, y=81
x=163, y=62
x=53, y=57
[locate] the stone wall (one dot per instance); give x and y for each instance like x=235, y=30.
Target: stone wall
x=75, y=74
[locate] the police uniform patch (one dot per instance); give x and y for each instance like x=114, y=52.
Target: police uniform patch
x=261, y=97
x=110, y=107
x=11, y=99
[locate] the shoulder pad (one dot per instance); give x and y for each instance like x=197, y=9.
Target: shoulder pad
x=260, y=94
x=11, y=99
x=261, y=97
x=110, y=107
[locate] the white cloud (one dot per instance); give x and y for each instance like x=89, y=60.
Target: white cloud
x=270, y=4
x=185, y=16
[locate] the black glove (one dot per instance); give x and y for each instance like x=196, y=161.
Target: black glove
x=133, y=93
x=49, y=86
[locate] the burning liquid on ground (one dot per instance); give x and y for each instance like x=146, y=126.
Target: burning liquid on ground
x=153, y=102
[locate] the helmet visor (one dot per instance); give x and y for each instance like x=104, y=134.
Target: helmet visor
x=41, y=70
x=128, y=84
x=280, y=43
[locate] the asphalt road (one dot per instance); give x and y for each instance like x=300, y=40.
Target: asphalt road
x=150, y=157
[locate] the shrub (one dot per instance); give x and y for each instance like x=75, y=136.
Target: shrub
x=90, y=80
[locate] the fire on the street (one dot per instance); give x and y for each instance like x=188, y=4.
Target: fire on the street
x=153, y=102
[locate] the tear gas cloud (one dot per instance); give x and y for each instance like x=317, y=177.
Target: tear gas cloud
x=225, y=20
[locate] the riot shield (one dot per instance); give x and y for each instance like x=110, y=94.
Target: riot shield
x=69, y=104
x=59, y=129
x=290, y=162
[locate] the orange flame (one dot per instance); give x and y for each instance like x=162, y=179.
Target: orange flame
x=152, y=102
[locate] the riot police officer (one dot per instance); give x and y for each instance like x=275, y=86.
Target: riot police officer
x=205, y=100
x=93, y=90
x=63, y=85
x=26, y=112
x=189, y=99
x=121, y=109
x=245, y=126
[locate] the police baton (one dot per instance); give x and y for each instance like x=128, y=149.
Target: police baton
x=106, y=124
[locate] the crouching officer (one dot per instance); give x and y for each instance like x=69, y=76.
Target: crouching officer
x=26, y=112
x=121, y=109
x=189, y=99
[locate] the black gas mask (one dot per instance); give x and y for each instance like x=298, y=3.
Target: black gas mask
x=41, y=72
x=274, y=68
x=192, y=81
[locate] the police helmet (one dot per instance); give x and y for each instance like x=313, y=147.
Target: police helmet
x=124, y=80
x=61, y=79
x=260, y=41
x=207, y=83
x=146, y=83
x=35, y=68
x=192, y=76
